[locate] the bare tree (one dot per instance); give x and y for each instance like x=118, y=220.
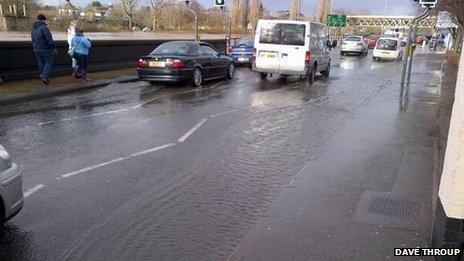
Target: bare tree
x=242, y=15
x=129, y=8
x=235, y=12
x=322, y=10
x=156, y=6
x=256, y=12
x=295, y=10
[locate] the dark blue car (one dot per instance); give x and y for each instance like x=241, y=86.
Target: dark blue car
x=242, y=51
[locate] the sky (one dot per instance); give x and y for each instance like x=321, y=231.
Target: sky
x=394, y=7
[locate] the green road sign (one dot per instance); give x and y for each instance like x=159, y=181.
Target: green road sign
x=428, y=3
x=337, y=20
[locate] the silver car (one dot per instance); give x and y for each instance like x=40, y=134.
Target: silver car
x=353, y=44
x=11, y=187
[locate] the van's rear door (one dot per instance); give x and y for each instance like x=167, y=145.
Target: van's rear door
x=294, y=44
x=267, y=55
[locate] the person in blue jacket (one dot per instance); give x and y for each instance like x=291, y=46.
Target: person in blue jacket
x=81, y=46
x=43, y=46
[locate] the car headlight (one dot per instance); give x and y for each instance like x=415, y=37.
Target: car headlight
x=5, y=156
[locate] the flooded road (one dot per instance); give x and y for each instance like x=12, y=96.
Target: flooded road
x=141, y=172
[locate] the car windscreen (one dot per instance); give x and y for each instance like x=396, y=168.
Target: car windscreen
x=176, y=48
x=387, y=44
x=352, y=39
x=246, y=42
x=285, y=34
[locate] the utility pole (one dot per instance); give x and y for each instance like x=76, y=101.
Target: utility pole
x=322, y=10
x=197, y=37
x=409, y=49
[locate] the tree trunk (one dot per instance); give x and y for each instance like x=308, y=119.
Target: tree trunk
x=457, y=43
x=130, y=23
x=154, y=23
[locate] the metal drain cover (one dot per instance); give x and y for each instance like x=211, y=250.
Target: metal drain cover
x=381, y=208
x=394, y=207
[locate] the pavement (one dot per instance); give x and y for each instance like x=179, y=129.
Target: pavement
x=22, y=90
x=239, y=169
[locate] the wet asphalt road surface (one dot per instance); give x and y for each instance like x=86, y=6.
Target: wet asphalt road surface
x=141, y=172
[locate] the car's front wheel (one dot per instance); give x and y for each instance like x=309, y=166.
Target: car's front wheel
x=263, y=76
x=197, y=77
x=232, y=71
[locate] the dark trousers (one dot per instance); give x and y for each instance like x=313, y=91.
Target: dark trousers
x=45, y=62
x=81, y=69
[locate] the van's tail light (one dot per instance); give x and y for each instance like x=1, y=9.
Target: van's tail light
x=307, y=58
x=229, y=50
x=254, y=54
x=142, y=63
x=175, y=63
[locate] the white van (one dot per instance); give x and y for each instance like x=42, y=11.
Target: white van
x=288, y=47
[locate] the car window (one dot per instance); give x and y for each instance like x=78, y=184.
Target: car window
x=281, y=33
x=353, y=39
x=246, y=41
x=178, y=48
x=387, y=44
x=207, y=50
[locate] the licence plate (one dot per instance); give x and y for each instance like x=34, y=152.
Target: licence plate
x=269, y=55
x=242, y=59
x=385, y=53
x=157, y=64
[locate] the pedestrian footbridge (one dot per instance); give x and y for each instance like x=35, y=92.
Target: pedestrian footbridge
x=388, y=21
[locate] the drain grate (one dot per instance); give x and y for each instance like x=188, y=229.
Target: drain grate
x=392, y=207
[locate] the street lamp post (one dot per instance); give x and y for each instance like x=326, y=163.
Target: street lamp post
x=186, y=3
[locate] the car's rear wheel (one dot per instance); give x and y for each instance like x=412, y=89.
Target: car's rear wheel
x=152, y=83
x=342, y=53
x=263, y=76
x=232, y=71
x=197, y=77
x=326, y=72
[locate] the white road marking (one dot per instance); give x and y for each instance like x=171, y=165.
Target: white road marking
x=33, y=190
x=144, y=102
x=70, y=174
x=191, y=131
x=228, y=112
x=83, y=116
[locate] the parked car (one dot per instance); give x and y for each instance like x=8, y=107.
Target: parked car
x=388, y=48
x=371, y=41
x=419, y=39
x=11, y=191
x=353, y=44
x=185, y=61
x=242, y=51
x=289, y=48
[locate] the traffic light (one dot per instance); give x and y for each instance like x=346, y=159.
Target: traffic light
x=219, y=3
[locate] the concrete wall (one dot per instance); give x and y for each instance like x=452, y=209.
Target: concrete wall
x=451, y=191
x=17, y=60
x=448, y=226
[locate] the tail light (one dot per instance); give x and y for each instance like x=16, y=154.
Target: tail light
x=307, y=58
x=142, y=63
x=254, y=54
x=175, y=63
x=360, y=43
x=229, y=50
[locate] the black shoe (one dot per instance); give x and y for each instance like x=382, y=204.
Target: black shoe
x=45, y=80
